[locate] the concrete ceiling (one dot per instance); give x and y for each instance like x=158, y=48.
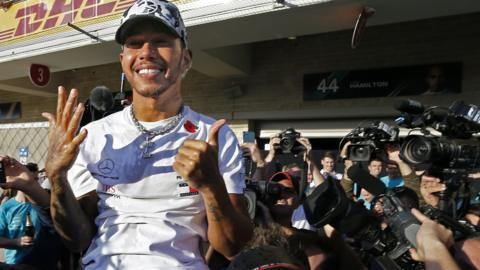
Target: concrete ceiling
x=223, y=49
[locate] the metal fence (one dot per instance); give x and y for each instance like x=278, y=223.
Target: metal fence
x=27, y=142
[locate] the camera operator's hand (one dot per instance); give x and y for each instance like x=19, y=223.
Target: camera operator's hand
x=475, y=176
x=393, y=152
x=433, y=241
x=308, y=158
x=344, y=151
x=344, y=155
x=408, y=174
x=274, y=142
x=18, y=176
x=308, y=149
x=346, y=182
x=254, y=153
x=428, y=186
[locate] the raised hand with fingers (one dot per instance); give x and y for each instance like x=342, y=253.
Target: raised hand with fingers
x=273, y=143
x=393, y=152
x=252, y=150
x=63, y=141
x=197, y=161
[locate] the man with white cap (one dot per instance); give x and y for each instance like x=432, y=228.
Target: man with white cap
x=149, y=184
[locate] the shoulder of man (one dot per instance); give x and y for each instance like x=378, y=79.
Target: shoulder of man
x=225, y=134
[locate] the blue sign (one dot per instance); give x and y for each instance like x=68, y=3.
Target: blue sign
x=23, y=151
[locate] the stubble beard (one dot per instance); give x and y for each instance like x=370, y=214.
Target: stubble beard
x=156, y=93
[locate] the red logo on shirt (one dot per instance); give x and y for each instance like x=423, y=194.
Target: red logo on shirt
x=190, y=127
x=184, y=190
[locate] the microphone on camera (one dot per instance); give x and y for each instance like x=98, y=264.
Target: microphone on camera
x=409, y=106
x=101, y=98
x=365, y=180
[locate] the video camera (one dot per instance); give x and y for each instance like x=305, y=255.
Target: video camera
x=368, y=142
x=452, y=156
x=386, y=248
x=383, y=248
x=288, y=142
x=455, y=149
x=265, y=191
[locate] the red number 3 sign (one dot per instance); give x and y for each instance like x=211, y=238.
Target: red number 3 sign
x=39, y=75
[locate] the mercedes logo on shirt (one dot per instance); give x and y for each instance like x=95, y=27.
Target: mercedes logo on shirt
x=106, y=166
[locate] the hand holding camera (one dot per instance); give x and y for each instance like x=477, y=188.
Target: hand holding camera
x=14, y=174
x=289, y=143
x=430, y=237
x=429, y=186
x=251, y=150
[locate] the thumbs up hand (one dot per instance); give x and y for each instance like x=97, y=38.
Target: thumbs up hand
x=197, y=161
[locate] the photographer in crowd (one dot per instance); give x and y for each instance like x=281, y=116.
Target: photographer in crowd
x=265, y=168
x=26, y=230
x=399, y=173
x=323, y=250
x=375, y=167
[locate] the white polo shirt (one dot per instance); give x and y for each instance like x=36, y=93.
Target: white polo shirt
x=149, y=218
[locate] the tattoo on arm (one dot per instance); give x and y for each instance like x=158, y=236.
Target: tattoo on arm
x=215, y=211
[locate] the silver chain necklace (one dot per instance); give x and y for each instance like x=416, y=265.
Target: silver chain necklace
x=150, y=134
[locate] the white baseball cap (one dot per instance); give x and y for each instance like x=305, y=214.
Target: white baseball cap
x=160, y=11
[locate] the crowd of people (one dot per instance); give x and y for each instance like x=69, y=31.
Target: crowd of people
x=160, y=186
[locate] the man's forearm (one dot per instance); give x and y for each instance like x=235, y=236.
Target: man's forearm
x=70, y=220
x=8, y=243
x=404, y=168
x=228, y=228
x=347, y=186
x=413, y=181
x=37, y=195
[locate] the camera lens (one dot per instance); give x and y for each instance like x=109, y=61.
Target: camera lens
x=417, y=150
x=287, y=144
x=360, y=152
